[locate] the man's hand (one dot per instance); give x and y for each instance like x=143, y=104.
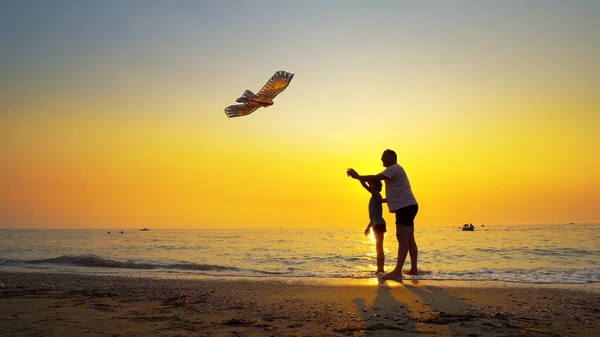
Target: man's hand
x=351, y=173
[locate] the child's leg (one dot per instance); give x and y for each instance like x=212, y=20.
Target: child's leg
x=380, y=253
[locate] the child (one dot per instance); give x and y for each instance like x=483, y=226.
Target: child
x=377, y=223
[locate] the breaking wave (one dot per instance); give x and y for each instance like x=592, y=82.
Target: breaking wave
x=98, y=262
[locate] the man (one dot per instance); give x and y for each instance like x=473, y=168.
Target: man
x=402, y=202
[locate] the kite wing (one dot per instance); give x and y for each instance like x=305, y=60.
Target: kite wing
x=273, y=87
x=263, y=98
x=239, y=110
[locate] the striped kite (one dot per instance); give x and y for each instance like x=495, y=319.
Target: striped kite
x=264, y=98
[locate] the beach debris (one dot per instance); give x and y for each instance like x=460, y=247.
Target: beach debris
x=536, y=330
x=185, y=325
x=153, y=318
x=264, y=98
x=346, y=329
x=179, y=300
x=103, y=306
x=382, y=326
x=442, y=317
x=245, y=322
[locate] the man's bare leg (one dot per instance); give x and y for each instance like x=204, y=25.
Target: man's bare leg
x=403, y=234
x=413, y=251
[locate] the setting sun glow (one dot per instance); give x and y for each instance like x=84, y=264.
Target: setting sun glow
x=120, y=122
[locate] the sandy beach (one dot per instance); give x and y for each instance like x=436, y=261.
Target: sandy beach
x=35, y=304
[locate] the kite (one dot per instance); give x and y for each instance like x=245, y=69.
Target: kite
x=264, y=98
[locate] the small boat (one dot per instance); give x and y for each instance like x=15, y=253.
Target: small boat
x=144, y=229
x=468, y=227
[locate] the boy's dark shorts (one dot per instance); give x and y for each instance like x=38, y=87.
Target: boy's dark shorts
x=406, y=215
x=379, y=228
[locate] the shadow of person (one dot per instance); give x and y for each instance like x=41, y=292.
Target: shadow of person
x=457, y=317
x=437, y=298
x=408, y=308
x=386, y=314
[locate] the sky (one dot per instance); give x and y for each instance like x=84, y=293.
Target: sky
x=111, y=112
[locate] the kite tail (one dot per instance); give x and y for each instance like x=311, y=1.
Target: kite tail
x=246, y=97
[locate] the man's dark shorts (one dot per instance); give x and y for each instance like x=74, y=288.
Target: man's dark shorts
x=406, y=215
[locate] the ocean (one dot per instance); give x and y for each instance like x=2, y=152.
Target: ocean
x=549, y=254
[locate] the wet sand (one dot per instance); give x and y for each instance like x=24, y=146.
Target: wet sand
x=38, y=304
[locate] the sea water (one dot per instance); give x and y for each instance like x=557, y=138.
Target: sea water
x=555, y=254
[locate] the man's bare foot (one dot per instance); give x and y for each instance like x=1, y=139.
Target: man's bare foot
x=395, y=276
x=413, y=272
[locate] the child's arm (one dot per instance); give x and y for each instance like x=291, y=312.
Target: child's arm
x=364, y=184
x=384, y=200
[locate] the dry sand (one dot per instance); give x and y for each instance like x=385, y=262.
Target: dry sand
x=33, y=304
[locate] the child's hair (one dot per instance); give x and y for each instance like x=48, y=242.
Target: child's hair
x=376, y=184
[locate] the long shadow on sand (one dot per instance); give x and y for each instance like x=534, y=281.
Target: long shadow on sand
x=387, y=315
x=410, y=309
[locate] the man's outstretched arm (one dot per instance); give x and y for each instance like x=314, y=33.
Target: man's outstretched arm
x=352, y=173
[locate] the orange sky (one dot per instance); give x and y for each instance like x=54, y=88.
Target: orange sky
x=494, y=121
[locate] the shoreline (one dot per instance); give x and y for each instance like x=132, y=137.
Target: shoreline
x=342, y=281
x=69, y=305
